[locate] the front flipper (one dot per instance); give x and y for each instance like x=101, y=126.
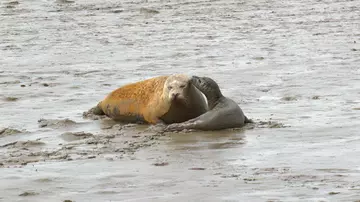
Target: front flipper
x=247, y=120
x=195, y=123
x=174, y=127
x=184, y=125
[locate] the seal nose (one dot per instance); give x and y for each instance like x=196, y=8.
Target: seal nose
x=175, y=95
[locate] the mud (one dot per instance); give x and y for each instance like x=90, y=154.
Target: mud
x=113, y=142
x=292, y=66
x=55, y=123
x=92, y=114
x=9, y=131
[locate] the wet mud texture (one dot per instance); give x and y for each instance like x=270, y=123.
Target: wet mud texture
x=113, y=142
x=293, y=67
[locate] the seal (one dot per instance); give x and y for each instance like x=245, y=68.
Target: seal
x=159, y=100
x=223, y=112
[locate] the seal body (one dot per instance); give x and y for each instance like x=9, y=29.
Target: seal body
x=223, y=112
x=158, y=100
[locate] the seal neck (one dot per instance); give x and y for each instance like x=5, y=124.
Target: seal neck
x=213, y=100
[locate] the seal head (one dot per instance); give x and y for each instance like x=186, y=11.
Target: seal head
x=176, y=87
x=186, y=100
x=209, y=88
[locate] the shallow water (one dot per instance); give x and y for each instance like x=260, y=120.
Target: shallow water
x=293, y=62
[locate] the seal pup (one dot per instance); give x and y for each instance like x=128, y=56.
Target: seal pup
x=223, y=112
x=159, y=100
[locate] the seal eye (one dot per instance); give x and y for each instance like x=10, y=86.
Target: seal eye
x=169, y=87
x=182, y=86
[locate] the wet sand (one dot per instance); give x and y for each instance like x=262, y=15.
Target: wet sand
x=292, y=66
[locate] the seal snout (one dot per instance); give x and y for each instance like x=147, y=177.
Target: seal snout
x=175, y=95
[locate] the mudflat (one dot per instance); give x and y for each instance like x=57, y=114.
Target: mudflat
x=292, y=66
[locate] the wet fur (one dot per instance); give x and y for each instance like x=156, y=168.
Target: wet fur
x=148, y=101
x=136, y=102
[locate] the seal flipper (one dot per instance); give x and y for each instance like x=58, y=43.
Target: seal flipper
x=248, y=120
x=97, y=110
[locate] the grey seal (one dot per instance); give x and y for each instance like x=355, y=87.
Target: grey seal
x=223, y=112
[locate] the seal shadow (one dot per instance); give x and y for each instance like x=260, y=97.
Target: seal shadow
x=203, y=140
x=109, y=123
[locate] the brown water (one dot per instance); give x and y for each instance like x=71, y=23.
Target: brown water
x=293, y=62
